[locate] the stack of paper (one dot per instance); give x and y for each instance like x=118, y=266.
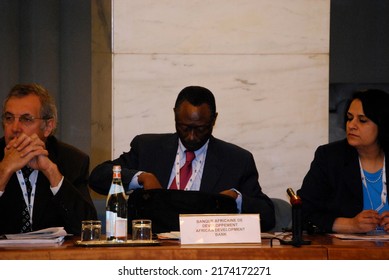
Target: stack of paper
x=52, y=235
x=169, y=235
x=366, y=237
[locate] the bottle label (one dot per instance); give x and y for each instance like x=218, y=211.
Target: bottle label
x=115, y=226
x=116, y=188
x=121, y=227
x=110, y=223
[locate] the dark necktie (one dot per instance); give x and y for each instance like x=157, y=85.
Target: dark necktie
x=185, y=171
x=26, y=224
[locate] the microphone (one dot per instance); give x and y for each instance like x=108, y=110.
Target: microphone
x=294, y=199
x=297, y=227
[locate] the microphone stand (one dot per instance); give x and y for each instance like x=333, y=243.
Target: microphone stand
x=297, y=229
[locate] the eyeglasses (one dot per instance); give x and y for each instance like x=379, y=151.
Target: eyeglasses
x=25, y=119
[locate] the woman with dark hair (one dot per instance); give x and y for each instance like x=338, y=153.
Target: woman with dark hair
x=345, y=189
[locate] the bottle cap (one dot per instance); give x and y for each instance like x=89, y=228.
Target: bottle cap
x=117, y=168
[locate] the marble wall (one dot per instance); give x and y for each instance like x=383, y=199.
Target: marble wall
x=266, y=61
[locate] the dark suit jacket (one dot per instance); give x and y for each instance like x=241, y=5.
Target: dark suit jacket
x=67, y=208
x=226, y=166
x=332, y=187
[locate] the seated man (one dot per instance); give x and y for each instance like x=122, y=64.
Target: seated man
x=214, y=166
x=43, y=182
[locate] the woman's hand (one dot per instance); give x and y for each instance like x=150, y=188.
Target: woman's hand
x=365, y=221
x=385, y=220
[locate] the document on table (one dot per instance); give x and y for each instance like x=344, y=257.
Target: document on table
x=365, y=237
x=169, y=235
x=51, y=235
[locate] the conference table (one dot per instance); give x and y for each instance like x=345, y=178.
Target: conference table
x=322, y=247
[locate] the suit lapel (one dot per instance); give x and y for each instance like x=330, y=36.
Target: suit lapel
x=51, y=146
x=43, y=196
x=352, y=177
x=165, y=162
x=213, y=167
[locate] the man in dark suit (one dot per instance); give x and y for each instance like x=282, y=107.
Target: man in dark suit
x=155, y=160
x=54, y=192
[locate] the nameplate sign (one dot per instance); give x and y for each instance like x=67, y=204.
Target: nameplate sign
x=212, y=228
